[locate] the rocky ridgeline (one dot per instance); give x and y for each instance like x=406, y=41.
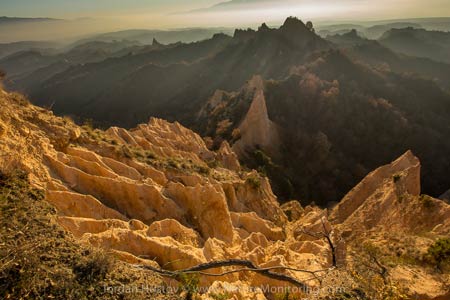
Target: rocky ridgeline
x=155, y=195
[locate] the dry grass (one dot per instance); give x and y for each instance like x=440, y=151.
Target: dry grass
x=39, y=260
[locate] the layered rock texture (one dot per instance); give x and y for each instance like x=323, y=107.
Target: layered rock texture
x=256, y=129
x=156, y=195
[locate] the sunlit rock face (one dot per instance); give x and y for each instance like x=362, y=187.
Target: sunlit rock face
x=257, y=130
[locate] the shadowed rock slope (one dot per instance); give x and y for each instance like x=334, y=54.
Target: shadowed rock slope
x=158, y=81
x=155, y=195
x=319, y=131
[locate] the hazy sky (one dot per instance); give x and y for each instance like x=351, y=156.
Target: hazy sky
x=167, y=13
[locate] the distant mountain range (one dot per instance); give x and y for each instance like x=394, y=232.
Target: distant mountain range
x=28, y=69
x=314, y=114
x=374, y=30
x=405, y=39
x=378, y=55
x=186, y=35
x=419, y=42
x=8, y=20
x=371, y=32
x=10, y=48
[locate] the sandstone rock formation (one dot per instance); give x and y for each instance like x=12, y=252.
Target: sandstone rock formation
x=257, y=130
x=389, y=197
x=406, y=166
x=153, y=196
x=227, y=157
x=293, y=210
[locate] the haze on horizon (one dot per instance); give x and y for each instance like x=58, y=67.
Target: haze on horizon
x=96, y=16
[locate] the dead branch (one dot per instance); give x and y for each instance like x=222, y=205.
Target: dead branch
x=383, y=271
x=327, y=235
x=248, y=267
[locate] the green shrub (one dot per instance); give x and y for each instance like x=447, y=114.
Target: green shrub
x=396, y=178
x=150, y=155
x=138, y=153
x=262, y=158
x=427, y=201
x=254, y=182
x=203, y=170
x=401, y=198
x=127, y=152
x=189, y=283
x=88, y=124
x=214, y=164
x=173, y=164
x=282, y=296
x=438, y=254
x=221, y=296
x=93, y=267
x=20, y=99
